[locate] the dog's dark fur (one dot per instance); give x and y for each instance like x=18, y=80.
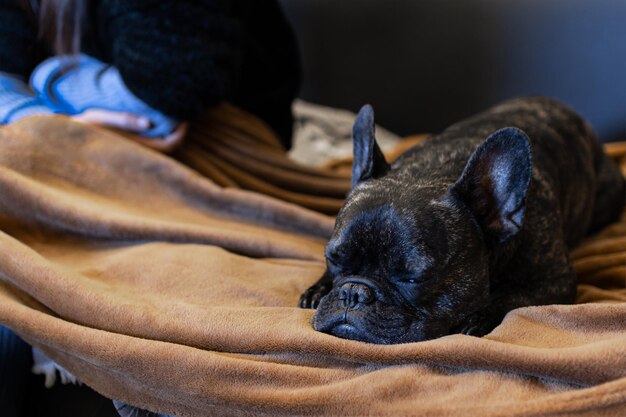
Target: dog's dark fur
x=461, y=229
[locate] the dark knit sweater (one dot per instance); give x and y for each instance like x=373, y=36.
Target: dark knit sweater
x=180, y=56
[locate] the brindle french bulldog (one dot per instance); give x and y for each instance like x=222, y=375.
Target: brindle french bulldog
x=465, y=226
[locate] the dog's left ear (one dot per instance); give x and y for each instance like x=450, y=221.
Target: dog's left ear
x=369, y=161
x=495, y=181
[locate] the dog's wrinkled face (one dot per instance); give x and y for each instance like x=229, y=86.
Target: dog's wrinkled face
x=397, y=264
x=409, y=257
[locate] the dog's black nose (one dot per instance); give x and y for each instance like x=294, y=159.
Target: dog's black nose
x=352, y=294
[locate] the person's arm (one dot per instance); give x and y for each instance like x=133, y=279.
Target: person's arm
x=79, y=83
x=178, y=56
x=17, y=100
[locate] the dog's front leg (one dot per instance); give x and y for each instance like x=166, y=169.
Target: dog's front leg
x=311, y=297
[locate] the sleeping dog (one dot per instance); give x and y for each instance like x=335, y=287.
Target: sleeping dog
x=465, y=226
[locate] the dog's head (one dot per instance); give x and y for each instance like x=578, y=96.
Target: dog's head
x=410, y=257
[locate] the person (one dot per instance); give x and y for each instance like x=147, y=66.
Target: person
x=146, y=66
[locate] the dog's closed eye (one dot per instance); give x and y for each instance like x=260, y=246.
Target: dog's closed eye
x=331, y=261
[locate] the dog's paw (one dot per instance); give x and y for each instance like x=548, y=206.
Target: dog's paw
x=311, y=297
x=477, y=324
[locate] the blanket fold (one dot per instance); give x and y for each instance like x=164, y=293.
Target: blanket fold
x=165, y=283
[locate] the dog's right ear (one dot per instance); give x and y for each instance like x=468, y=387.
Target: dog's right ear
x=495, y=182
x=369, y=161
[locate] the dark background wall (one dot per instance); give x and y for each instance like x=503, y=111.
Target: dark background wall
x=424, y=64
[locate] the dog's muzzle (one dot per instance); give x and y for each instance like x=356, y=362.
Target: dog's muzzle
x=352, y=294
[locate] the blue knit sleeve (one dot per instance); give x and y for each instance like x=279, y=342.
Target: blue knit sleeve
x=17, y=100
x=78, y=83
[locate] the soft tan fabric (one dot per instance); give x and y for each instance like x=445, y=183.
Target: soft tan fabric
x=237, y=150
x=161, y=289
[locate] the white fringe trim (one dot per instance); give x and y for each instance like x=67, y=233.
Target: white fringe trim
x=45, y=366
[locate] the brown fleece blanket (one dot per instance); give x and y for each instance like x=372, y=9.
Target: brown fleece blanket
x=160, y=288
